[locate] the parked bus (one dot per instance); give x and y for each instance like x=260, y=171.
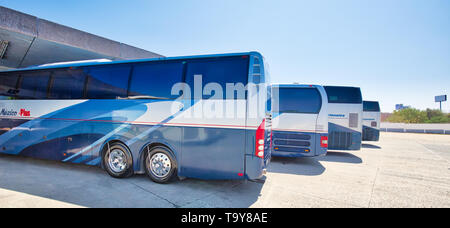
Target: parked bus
x=345, y=108
x=300, y=120
x=371, y=121
x=142, y=116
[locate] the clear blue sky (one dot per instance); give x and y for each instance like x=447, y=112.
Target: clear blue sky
x=397, y=51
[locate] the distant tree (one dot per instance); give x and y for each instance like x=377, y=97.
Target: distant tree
x=408, y=115
x=433, y=113
x=412, y=115
x=395, y=117
x=439, y=119
x=437, y=116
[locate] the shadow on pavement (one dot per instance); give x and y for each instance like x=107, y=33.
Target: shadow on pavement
x=92, y=187
x=299, y=166
x=370, y=146
x=344, y=157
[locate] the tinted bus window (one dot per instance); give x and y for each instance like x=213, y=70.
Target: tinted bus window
x=222, y=71
x=33, y=85
x=67, y=84
x=347, y=95
x=269, y=99
x=370, y=106
x=107, y=82
x=156, y=79
x=8, y=84
x=299, y=100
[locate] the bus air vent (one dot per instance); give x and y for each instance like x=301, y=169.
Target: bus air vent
x=353, y=120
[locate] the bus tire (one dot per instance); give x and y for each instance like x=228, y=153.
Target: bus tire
x=117, y=160
x=160, y=165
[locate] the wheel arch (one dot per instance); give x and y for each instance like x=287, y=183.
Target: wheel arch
x=149, y=146
x=105, y=146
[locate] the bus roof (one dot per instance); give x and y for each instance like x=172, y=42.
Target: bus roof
x=98, y=63
x=295, y=86
x=342, y=87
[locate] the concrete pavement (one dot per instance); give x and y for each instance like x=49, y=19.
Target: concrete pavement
x=402, y=170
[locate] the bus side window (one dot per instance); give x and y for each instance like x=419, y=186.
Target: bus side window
x=108, y=82
x=348, y=95
x=34, y=85
x=299, y=100
x=233, y=70
x=370, y=106
x=156, y=79
x=67, y=84
x=333, y=98
x=8, y=85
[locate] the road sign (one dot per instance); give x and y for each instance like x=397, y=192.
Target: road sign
x=441, y=98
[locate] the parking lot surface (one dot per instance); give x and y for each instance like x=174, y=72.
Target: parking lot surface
x=402, y=170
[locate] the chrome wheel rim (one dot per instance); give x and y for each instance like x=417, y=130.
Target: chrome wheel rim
x=117, y=161
x=160, y=165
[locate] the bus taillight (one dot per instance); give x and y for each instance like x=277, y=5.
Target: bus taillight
x=259, y=140
x=324, y=141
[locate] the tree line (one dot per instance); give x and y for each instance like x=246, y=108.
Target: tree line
x=412, y=115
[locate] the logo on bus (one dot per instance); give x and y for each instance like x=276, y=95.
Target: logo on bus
x=6, y=112
x=25, y=113
x=337, y=115
x=22, y=112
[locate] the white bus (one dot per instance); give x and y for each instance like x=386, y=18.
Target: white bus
x=299, y=120
x=371, y=121
x=345, y=108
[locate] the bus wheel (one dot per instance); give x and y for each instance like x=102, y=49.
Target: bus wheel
x=160, y=165
x=118, y=161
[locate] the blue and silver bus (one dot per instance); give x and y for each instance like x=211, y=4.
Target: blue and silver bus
x=299, y=121
x=371, y=121
x=199, y=117
x=345, y=108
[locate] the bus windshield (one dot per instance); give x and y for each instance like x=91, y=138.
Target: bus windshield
x=371, y=106
x=346, y=95
x=299, y=100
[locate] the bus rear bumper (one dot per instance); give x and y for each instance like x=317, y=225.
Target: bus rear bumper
x=254, y=167
x=292, y=154
x=370, y=134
